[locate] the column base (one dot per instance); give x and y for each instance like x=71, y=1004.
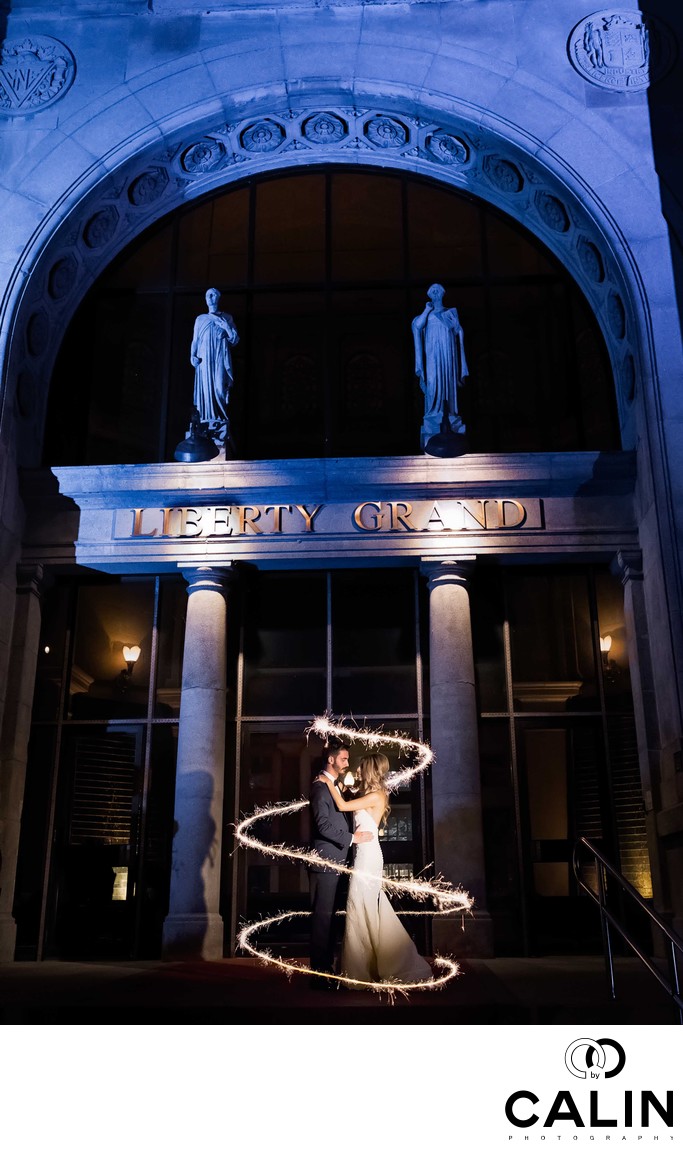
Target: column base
x=475, y=941
x=193, y=936
x=8, y=937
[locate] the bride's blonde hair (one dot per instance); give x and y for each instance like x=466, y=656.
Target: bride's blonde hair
x=373, y=770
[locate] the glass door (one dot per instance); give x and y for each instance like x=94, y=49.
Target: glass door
x=345, y=643
x=558, y=750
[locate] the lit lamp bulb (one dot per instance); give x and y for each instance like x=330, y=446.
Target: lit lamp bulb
x=349, y=779
x=131, y=655
x=605, y=648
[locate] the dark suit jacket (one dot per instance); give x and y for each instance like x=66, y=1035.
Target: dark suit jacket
x=332, y=828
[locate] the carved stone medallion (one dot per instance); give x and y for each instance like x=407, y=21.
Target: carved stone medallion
x=62, y=277
x=552, y=211
x=263, y=136
x=386, y=132
x=447, y=148
x=148, y=187
x=34, y=72
x=101, y=227
x=324, y=128
x=204, y=156
x=621, y=49
x=591, y=260
x=503, y=174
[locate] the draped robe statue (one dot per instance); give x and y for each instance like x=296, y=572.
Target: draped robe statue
x=440, y=364
x=214, y=334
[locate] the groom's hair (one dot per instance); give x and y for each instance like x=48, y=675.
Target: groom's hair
x=333, y=746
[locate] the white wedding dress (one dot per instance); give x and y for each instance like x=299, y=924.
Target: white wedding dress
x=376, y=946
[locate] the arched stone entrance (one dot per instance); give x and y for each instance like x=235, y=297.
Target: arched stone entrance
x=450, y=149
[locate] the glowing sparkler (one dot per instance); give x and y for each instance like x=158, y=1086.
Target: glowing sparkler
x=446, y=898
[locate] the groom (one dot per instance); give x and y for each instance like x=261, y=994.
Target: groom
x=332, y=839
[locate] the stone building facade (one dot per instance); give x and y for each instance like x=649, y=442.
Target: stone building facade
x=556, y=124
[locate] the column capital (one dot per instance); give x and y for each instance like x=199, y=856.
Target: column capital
x=628, y=566
x=209, y=578
x=445, y=569
x=32, y=579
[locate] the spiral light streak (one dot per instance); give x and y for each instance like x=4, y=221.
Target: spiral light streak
x=324, y=727
x=446, y=898
x=449, y=966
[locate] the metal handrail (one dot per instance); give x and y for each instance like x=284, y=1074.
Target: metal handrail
x=672, y=986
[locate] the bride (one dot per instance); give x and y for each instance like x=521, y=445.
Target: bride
x=376, y=946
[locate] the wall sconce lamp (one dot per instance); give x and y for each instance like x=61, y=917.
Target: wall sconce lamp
x=605, y=648
x=131, y=655
x=349, y=779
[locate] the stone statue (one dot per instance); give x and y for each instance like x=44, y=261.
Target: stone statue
x=214, y=335
x=440, y=365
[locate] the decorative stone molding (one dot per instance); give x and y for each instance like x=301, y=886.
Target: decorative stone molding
x=100, y=228
x=454, y=151
x=34, y=72
x=62, y=277
x=552, y=211
x=628, y=565
x=621, y=49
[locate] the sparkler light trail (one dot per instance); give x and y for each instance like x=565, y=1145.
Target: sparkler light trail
x=446, y=898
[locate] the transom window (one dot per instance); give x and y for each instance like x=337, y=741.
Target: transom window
x=323, y=271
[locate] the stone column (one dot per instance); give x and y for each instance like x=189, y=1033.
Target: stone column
x=194, y=926
x=456, y=786
x=14, y=745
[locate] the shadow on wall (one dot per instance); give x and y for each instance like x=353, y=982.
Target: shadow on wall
x=194, y=851
x=665, y=99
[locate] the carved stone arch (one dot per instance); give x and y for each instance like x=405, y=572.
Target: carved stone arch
x=453, y=149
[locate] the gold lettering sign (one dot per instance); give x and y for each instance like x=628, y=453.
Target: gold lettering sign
x=374, y=516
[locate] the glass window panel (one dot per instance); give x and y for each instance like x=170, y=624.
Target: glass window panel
x=171, y=640
x=290, y=229
x=285, y=645
x=194, y=238
x=444, y=234
x=154, y=875
x=553, y=664
x=146, y=265
x=530, y=360
x=125, y=358
x=373, y=625
x=370, y=358
x=102, y=773
x=597, y=399
x=539, y=375
x=563, y=794
x=367, y=227
x=213, y=242
x=109, y=618
x=229, y=246
x=616, y=678
x=50, y=661
x=487, y=635
x=286, y=412
x=500, y=835
x=278, y=763
x=513, y=252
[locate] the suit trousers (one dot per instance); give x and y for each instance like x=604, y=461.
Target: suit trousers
x=325, y=888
